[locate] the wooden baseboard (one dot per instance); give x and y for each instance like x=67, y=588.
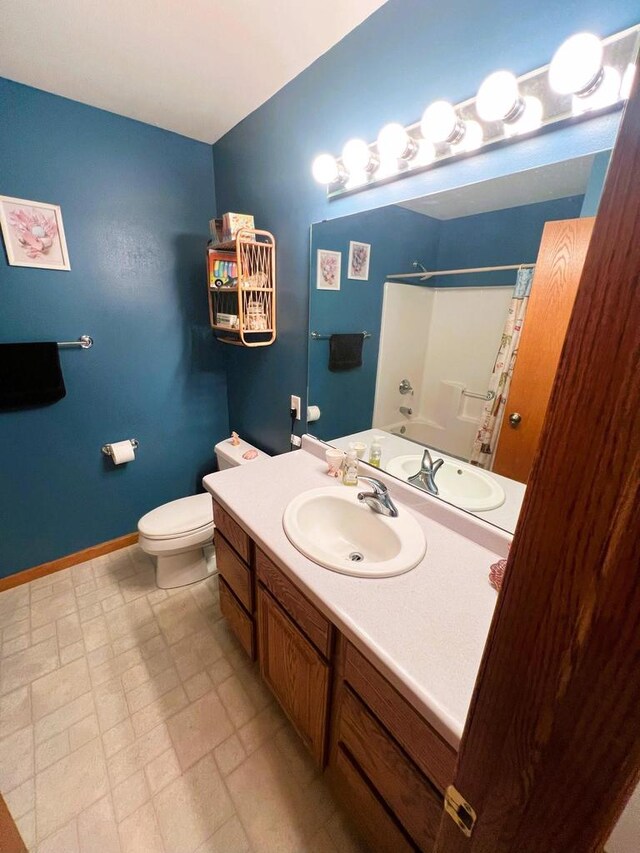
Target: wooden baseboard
x=9, y=836
x=64, y=562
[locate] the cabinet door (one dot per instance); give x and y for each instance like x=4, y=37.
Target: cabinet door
x=295, y=672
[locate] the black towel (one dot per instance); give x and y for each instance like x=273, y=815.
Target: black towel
x=345, y=352
x=30, y=375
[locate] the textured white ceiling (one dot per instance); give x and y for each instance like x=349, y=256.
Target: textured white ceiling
x=193, y=66
x=557, y=180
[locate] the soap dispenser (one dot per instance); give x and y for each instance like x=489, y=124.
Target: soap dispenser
x=375, y=453
x=350, y=469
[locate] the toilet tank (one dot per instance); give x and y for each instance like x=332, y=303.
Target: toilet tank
x=230, y=455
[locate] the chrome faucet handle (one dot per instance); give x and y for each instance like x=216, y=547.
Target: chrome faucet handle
x=427, y=459
x=378, y=487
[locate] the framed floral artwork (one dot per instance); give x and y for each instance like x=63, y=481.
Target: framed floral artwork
x=359, y=256
x=328, y=272
x=33, y=234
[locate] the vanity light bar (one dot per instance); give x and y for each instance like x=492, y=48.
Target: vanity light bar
x=586, y=75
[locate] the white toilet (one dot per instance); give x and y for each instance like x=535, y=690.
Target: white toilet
x=179, y=534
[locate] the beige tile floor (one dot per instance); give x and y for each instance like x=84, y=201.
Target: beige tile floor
x=130, y=720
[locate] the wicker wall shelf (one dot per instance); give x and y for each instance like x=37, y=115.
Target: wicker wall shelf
x=247, y=298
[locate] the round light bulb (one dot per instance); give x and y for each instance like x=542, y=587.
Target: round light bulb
x=627, y=81
x=325, y=169
x=498, y=98
x=440, y=123
x=530, y=119
x=356, y=156
x=577, y=65
x=607, y=93
x=395, y=143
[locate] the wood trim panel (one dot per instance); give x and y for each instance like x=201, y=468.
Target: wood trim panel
x=551, y=751
x=237, y=575
x=10, y=839
x=412, y=799
x=70, y=560
x=377, y=826
x=555, y=283
x=296, y=674
x=317, y=628
x=233, y=533
x=241, y=624
x=432, y=755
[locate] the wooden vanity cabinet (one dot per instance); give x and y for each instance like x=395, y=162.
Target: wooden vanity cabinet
x=388, y=766
x=385, y=754
x=295, y=643
x=234, y=557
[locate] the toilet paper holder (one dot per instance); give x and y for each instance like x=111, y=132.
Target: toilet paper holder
x=106, y=448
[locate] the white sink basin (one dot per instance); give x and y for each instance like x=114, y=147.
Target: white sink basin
x=331, y=527
x=464, y=485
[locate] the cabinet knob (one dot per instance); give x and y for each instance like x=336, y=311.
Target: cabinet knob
x=514, y=419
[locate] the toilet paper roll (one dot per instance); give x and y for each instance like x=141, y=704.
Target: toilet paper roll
x=313, y=413
x=122, y=451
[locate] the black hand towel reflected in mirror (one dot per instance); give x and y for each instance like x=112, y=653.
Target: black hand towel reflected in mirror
x=345, y=352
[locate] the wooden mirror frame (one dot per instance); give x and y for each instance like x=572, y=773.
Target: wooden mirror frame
x=551, y=747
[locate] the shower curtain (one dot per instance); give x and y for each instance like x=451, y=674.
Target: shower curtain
x=484, y=444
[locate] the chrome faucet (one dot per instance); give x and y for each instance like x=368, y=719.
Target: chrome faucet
x=379, y=500
x=405, y=410
x=425, y=478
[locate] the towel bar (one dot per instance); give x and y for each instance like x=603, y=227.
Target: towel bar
x=316, y=336
x=85, y=342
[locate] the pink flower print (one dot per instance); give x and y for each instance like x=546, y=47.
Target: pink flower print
x=329, y=268
x=358, y=259
x=35, y=231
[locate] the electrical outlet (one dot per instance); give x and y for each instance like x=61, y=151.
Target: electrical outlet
x=296, y=441
x=295, y=404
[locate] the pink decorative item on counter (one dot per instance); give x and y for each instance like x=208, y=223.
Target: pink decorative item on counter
x=235, y=439
x=496, y=574
x=250, y=454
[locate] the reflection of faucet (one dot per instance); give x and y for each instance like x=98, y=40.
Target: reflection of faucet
x=379, y=500
x=425, y=478
x=405, y=410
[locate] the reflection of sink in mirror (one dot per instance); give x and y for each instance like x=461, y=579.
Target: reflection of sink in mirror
x=504, y=515
x=334, y=529
x=458, y=483
x=466, y=305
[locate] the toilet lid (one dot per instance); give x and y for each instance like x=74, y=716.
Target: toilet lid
x=178, y=517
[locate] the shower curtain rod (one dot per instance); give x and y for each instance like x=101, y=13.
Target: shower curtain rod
x=427, y=274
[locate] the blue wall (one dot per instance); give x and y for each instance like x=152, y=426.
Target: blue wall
x=389, y=68
x=596, y=183
x=136, y=202
x=397, y=237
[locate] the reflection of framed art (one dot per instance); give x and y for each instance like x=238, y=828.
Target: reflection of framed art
x=328, y=272
x=33, y=234
x=359, y=256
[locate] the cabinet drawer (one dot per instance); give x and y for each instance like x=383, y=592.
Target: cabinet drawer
x=295, y=672
x=241, y=624
x=232, y=532
x=410, y=797
x=431, y=753
x=300, y=609
x=376, y=824
x=234, y=571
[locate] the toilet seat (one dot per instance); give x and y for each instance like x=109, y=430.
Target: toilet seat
x=183, y=518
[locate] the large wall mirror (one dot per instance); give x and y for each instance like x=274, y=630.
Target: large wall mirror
x=436, y=325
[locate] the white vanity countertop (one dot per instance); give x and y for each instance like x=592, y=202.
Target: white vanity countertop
x=425, y=629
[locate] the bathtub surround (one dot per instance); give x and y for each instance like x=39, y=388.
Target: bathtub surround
x=136, y=203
